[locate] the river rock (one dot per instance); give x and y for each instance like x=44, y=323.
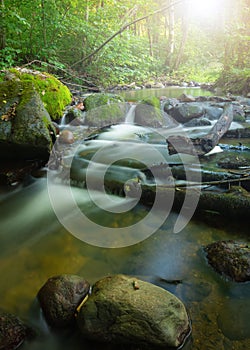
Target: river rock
x=148, y=113
x=67, y=137
x=125, y=310
x=184, y=112
x=59, y=298
x=230, y=258
x=26, y=130
x=198, y=122
x=213, y=113
x=187, y=98
x=104, y=109
x=13, y=331
x=238, y=113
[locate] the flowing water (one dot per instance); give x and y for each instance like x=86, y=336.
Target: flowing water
x=34, y=246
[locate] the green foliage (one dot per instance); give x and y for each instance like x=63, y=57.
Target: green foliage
x=236, y=81
x=64, y=32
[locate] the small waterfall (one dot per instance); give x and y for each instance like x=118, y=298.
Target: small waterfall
x=63, y=120
x=130, y=116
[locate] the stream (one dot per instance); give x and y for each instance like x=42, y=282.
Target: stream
x=35, y=245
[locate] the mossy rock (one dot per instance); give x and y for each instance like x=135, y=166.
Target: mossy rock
x=104, y=109
x=152, y=101
x=26, y=130
x=54, y=95
x=125, y=310
x=230, y=258
x=148, y=113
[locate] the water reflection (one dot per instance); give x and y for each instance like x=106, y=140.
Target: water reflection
x=170, y=91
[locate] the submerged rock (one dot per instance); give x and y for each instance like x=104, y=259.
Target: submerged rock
x=13, y=331
x=59, y=298
x=230, y=258
x=126, y=310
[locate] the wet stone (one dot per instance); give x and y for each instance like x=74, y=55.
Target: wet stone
x=230, y=258
x=13, y=331
x=59, y=298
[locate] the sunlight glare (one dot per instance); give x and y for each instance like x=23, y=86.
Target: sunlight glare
x=205, y=8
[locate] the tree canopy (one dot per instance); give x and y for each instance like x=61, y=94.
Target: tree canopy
x=120, y=41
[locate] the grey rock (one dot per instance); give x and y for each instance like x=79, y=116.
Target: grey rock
x=184, y=112
x=213, y=113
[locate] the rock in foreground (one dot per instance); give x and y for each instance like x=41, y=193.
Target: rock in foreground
x=59, y=298
x=230, y=258
x=126, y=310
x=13, y=332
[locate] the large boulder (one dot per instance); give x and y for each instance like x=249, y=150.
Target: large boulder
x=126, y=310
x=148, y=113
x=59, y=298
x=26, y=130
x=13, y=331
x=104, y=109
x=184, y=112
x=230, y=258
x=54, y=95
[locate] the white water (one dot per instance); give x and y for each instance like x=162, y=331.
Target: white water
x=130, y=116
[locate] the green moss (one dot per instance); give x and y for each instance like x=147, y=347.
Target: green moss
x=148, y=113
x=53, y=93
x=103, y=109
x=152, y=101
x=97, y=100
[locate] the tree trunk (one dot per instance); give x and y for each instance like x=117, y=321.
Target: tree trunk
x=171, y=36
x=150, y=38
x=2, y=27
x=184, y=24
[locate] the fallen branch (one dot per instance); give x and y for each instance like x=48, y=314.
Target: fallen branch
x=202, y=145
x=67, y=72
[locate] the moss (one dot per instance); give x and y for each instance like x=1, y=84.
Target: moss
x=148, y=113
x=25, y=125
x=97, y=100
x=54, y=95
x=152, y=101
x=238, y=118
x=103, y=109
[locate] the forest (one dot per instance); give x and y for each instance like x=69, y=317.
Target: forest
x=108, y=42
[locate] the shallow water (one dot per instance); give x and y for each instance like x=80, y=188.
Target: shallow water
x=35, y=246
